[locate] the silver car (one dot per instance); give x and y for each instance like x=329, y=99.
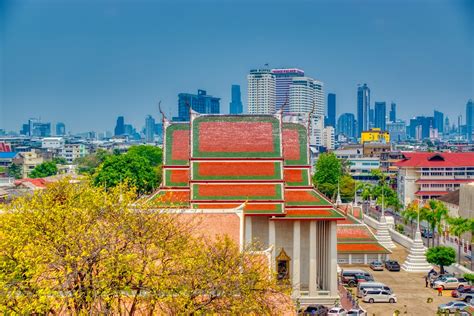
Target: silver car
x=379, y=296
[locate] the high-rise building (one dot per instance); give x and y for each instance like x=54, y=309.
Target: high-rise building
x=346, y=125
x=469, y=120
x=331, y=118
x=393, y=112
x=420, y=127
x=371, y=118
x=447, y=128
x=307, y=95
x=200, y=102
x=149, y=129
x=283, y=80
x=397, y=131
x=120, y=126
x=261, y=91
x=235, y=106
x=363, y=108
x=60, y=129
x=438, y=121
x=380, y=115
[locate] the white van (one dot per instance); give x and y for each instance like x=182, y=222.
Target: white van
x=372, y=286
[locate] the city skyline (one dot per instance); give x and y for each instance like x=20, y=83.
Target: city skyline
x=114, y=78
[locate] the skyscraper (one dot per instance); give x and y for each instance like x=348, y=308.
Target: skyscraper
x=346, y=125
x=393, y=112
x=261, y=91
x=200, y=102
x=149, y=129
x=60, y=129
x=331, y=118
x=438, y=121
x=283, y=80
x=235, y=106
x=470, y=120
x=380, y=115
x=120, y=126
x=363, y=108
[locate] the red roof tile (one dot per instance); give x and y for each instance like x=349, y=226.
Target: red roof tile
x=429, y=159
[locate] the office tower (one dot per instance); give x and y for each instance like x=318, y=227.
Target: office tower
x=380, y=111
x=371, y=118
x=331, y=118
x=41, y=129
x=447, y=129
x=346, y=125
x=283, y=80
x=470, y=120
x=235, y=106
x=438, y=121
x=363, y=108
x=397, y=131
x=261, y=91
x=60, y=129
x=200, y=102
x=393, y=112
x=307, y=95
x=149, y=129
x=420, y=127
x=120, y=126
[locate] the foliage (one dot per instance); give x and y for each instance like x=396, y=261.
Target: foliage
x=435, y=213
x=328, y=173
x=400, y=228
x=441, y=256
x=89, y=163
x=458, y=226
x=81, y=250
x=44, y=169
x=469, y=277
x=60, y=161
x=14, y=171
x=152, y=153
x=347, y=187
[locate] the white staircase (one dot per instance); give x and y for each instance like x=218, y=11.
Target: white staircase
x=383, y=234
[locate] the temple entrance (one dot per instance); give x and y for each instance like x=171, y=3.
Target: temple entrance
x=283, y=266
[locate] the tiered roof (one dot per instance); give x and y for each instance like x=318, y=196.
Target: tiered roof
x=223, y=161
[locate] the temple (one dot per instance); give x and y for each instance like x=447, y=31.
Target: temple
x=250, y=176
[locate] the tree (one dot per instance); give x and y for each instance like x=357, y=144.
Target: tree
x=459, y=226
x=441, y=256
x=347, y=186
x=435, y=213
x=44, y=169
x=89, y=163
x=60, y=161
x=81, y=250
x=469, y=277
x=14, y=171
x=328, y=173
x=152, y=153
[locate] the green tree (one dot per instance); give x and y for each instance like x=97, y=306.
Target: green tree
x=435, y=213
x=152, y=153
x=328, y=173
x=469, y=277
x=60, y=161
x=89, y=163
x=44, y=169
x=441, y=256
x=347, y=187
x=459, y=226
x=14, y=171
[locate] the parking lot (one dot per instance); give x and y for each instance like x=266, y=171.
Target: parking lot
x=412, y=295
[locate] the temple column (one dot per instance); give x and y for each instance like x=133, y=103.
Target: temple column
x=365, y=258
x=248, y=229
x=296, y=258
x=350, y=258
x=271, y=240
x=333, y=259
x=312, y=258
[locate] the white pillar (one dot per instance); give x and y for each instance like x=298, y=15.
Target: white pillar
x=350, y=258
x=312, y=259
x=271, y=240
x=379, y=257
x=365, y=258
x=296, y=258
x=248, y=229
x=333, y=256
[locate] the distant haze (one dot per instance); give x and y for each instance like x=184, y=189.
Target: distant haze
x=86, y=62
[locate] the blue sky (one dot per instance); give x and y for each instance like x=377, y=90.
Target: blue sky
x=86, y=62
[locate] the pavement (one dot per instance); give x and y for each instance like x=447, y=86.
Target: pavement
x=409, y=288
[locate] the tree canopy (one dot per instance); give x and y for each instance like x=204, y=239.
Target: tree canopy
x=79, y=249
x=89, y=163
x=328, y=173
x=441, y=256
x=152, y=153
x=14, y=171
x=44, y=169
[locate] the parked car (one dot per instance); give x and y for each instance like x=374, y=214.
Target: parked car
x=376, y=265
x=376, y=296
x=392, y=265
x=465, y=294
x=337, y=311
x=426, y=233
x=440, y=277
x=349, y=277
x=367, y=286
x=356, y=312
x=453, y=306
x=318, y=309
x=450, y=283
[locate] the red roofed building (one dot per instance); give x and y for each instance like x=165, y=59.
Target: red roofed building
x=258, y=166
x=426, y=175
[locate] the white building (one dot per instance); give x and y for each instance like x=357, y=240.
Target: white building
x=71, y=152
x=328, y=137
x=261, y=91
x=52, y=143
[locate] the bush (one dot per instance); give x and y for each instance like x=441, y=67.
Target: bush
x=400, y=228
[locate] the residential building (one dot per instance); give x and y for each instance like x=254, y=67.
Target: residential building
x=200, y=102
x=28, y=161
x=376, y=149
x=363, y=108
x=71, y=152
x=329, y=140
x=60, y=129
x=52, y=143
x=361, y=168
x=6, y=159
x=261, y=91
x=149, y=129
x=283, y=79
x=346, y=125
x=393, y=112
x=235, y=106
x=470, y=120
x=331, y=111
x=388, y=159
x=438, y=121
x=397, y=131
x=120, y=126
x=380, y=115
x=276, y=206
x=375, y=135
x=426, y=175
x=349, y=152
